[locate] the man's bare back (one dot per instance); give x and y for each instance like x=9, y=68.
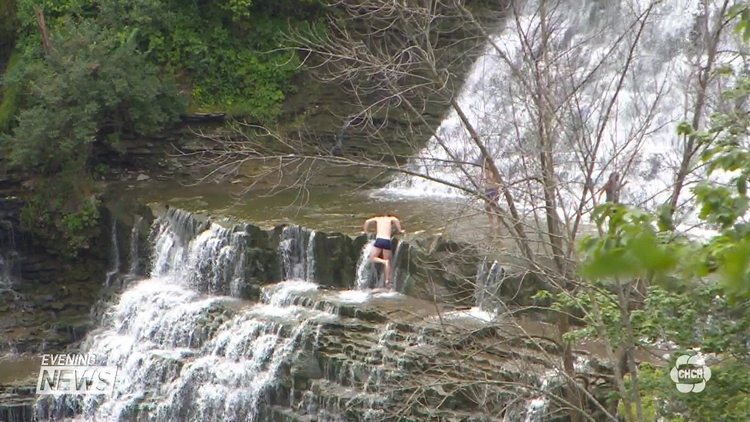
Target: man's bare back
x=383, y=233
x=384, y=226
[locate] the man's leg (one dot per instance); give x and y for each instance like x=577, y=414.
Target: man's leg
x=375, y=257
x=387, y=256
x=489, y=211
x=495, y=206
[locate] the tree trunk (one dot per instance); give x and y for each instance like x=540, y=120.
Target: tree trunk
x=43, y=31
x=704, y=76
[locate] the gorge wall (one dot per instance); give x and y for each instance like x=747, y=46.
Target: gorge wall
x=45, y=299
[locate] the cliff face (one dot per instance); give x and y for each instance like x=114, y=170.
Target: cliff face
x=45, y=300
x=351, y=113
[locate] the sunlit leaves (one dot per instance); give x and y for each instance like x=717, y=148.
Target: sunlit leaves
x=718, y=205
x=630, y=246
x=685, y=129
x=741, y=12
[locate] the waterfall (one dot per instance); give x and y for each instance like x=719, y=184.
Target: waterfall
x=208, y=256
x=134, y=254
x=186, y=352
x=296, y=250
x=366, y=274
x=185, y=355
x=187, y=348
x=585, y=64
x=114, y=255
x=395, y=270
x=488, y=284
x=535, y=408
x=310, y=258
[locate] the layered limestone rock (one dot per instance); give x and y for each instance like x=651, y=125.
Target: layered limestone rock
x=377, y=357
x=45, y=301
x=16, y=402
x=426, y=267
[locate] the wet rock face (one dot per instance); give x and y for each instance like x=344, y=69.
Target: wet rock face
x=430, y=268
x=45, y=302
x=388, y=361
x=383, y=358
x=439, y=270
x=15, y=403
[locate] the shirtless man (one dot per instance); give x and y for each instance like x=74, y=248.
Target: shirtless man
x=383, y=241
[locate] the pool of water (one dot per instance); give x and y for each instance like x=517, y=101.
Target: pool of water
x=17, y=368
x=330, y=209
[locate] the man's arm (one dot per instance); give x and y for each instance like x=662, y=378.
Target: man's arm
x=367, y=224
x=398, y=225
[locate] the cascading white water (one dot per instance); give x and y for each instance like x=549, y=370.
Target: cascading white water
x=489, y=280
x=210, y=263
x=186, y=355
x=296, y=249
x=365, y=268
x=134, y=254
x=584, y=63
x=367, y=275
x=310, y=258
x=114, y=253
x=536, y=407
x=186, y=351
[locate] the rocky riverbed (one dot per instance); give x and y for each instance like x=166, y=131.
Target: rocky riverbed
x=354, y=355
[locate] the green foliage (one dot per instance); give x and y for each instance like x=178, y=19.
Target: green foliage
x=11, y=94
x=8, y=27
x=686, y=303
x=725, y=398
x=741, y=12
x=92, y=85
x=92, y=89
x=630, y=247
x=83, y=219
x=230, y=54
x=63, y=213
x=115, y=69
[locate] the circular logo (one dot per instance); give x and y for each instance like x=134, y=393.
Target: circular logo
x=690, y=374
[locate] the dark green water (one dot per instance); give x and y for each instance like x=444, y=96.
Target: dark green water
x=330, y=209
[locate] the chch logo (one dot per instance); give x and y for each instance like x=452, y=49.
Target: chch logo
x=690, y=374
